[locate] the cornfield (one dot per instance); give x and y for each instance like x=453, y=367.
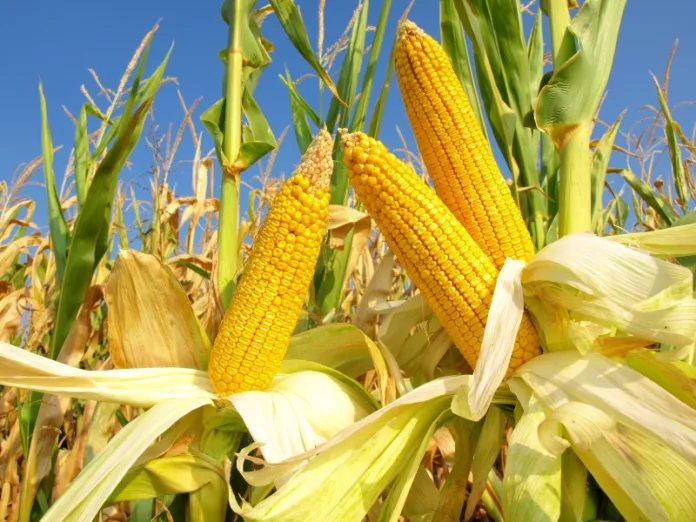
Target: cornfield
x=428, y=333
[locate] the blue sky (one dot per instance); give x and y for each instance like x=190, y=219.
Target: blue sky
x=57, y=42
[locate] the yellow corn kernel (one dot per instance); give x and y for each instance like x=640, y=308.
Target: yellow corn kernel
x=262, y=314
x=455, y=152
x=441, y=258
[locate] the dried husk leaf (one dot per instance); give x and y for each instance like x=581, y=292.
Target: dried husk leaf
x=151, y=321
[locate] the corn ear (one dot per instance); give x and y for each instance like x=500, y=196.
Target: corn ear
x=256, y=329
x=455, y=151
x=453, y=273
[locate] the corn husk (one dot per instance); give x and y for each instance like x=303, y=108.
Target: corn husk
x=637, y=440
x=151, y=322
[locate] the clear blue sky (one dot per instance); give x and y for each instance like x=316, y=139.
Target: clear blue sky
x=58, y=41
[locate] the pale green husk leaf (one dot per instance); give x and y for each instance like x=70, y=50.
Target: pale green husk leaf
x=301, y=411
x=349, y=471
x=504, y=318
x=637, y=440
x=584, y=278
x=186, y=473
x=137, y=387
x=532, y=482
x=103, y=474
x=675, y=241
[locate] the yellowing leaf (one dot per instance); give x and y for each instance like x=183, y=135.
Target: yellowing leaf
x=342, y=219
x=347, y=349
x=616, y=389
x=677, y=378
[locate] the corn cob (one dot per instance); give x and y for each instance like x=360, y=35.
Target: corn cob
x=455, y=276
x=262, y=314
x=455, y=152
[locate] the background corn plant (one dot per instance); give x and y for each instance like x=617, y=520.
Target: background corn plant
x=91, y=215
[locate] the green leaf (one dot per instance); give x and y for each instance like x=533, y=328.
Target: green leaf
x=500, y=115
x=351, y=470
x=90, y=232
x=506, y=105
x=535, y=56
x=637, y=440
x=675, y=241
x=300, y=110
x=257, y=141
x=60, y=236
x=81, y=167
x=194, y=268
x=375, y=49
x=486, y=453
x=223, y=431
x=142, y=510
x=549, y=174
x=313, y=116
x=251, y=42
x=339, y=108
x=251, y=152
x=260, y=141
x=532, y=482
x=27, y=412
x=339, y=346
x=673, y=145
x=291, y=22
x=330, y=271
x=213, y=119
x=185, y=473
x=647, y=194
x=571, y=97
x=454, y=44
x=577, y=502
x=688, y=219
x=505, y=17
x=260, y=130
x=380, y=104
x=398, y=494
x=600, y=162
x=582, y=278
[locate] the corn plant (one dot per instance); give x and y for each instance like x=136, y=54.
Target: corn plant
x=336, y=265
x=655, y=142
x=502, y=355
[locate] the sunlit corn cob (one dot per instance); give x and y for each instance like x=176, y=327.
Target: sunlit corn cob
x=256, y=329
x=455, y=276
x=455, y=152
